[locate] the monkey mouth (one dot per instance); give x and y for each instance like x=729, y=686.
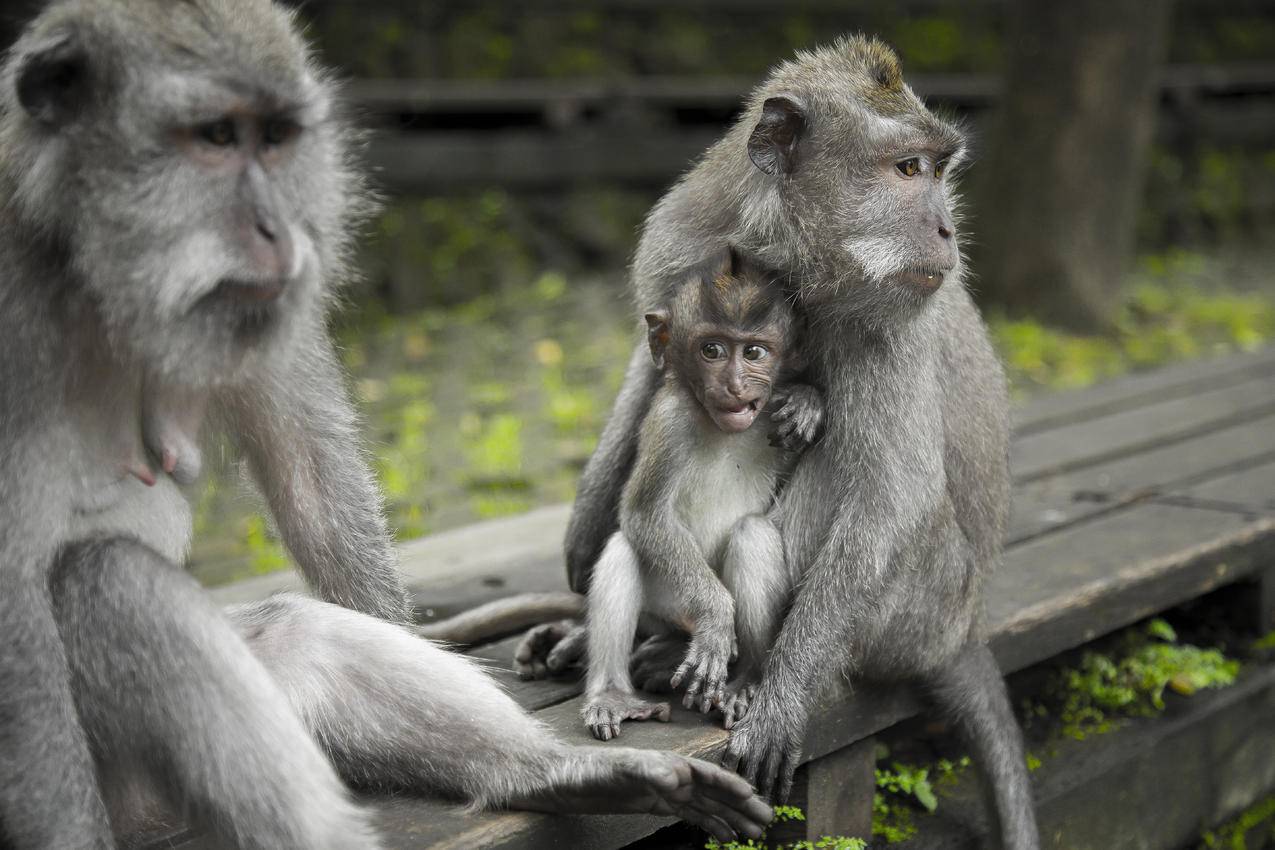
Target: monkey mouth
x=242, y=291
x=922, y=279
x=736, y=418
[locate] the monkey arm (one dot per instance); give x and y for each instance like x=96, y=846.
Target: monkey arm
x=680, y=586
x=844, y=591
x=48, y=785
x=300, y=434
x=595, y=512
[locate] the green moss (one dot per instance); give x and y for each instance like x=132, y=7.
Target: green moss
x=1265, y=643
x=1107, y=688
x=1256, y=823
x=782, y=815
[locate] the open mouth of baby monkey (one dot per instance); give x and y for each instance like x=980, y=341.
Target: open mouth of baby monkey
x=736, y=418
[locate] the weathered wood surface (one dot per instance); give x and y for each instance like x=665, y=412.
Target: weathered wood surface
x=1130, y=497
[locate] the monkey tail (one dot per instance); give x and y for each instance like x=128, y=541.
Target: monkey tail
x=502, y=617
x=971, y=690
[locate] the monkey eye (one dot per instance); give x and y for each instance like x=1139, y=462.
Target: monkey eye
x=755, y=352
x=909, y=167
x=279, y=131
x=712, y=351
x=219, y=133
x=940, y=168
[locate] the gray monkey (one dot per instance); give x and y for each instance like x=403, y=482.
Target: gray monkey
x=177, y=202
x=695, y=551
x=838, y=175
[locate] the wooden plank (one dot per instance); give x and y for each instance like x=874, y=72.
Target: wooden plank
x=1058, y=500
x=1067, y=588
x=1160, y=423
x=1140, y=388
x=1248, y=491
x=1051, y=595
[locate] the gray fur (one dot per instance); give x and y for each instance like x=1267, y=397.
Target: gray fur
x=896, y=517
x=156, y=281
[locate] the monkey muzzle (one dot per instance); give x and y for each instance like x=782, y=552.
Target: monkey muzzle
x=735, y=418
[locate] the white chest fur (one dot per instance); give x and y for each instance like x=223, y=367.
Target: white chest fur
x=734, y=475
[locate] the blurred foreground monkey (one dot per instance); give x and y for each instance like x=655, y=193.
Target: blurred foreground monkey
x=176, y=208
x=837, y=176
x=695, y=551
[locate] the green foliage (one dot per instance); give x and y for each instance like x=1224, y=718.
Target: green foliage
x=901, y=789
x=1266, y=643
x=1256, y=823
x=784, y=814
x=1105, y=689
x=1173, y=311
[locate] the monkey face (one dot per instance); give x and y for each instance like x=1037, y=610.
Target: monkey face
x=203, y=202
x=864, y=173
x=732, y=377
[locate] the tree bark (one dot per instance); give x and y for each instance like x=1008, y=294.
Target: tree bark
x=1060, y=184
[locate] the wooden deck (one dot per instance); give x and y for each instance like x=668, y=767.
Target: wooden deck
x=1130, y=497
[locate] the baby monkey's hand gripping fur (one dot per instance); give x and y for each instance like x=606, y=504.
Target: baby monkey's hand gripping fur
x=694, y=551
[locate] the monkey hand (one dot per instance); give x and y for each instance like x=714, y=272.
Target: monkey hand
x=765, y=747
x=798, y=421
x=739, y=694
x=706, y=663
x=549, y=649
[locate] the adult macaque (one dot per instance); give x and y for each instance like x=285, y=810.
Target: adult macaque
x=838, y=176
x=695, y=551
x=176, y=203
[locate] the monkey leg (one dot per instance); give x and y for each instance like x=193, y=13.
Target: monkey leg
x=755, y=572
x=972, y=691
x=48, y=788
x=162, y=682
x=397, y=711
x=614, y=604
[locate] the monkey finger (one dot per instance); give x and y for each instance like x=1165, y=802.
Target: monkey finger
x=787, y=769
x=743, y=821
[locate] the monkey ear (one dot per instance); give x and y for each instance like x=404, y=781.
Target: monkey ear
x=657, y=335
x=773, y=144
x=53, y=81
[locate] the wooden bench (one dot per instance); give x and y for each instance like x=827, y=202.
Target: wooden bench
x=1130, y=497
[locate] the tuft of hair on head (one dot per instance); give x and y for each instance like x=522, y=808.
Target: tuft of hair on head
x=731, y=290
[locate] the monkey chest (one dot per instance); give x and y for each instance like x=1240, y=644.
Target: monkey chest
x=725, y=482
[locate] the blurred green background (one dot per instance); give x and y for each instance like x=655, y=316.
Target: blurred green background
x=517, y=147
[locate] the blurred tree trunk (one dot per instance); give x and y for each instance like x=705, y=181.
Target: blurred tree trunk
x=1060, y=183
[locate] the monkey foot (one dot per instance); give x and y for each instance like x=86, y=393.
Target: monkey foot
x=628, y=781
x=604, y=713
x=735, y=705
x=656, y=660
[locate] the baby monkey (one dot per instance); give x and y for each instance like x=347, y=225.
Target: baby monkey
x=695, y=552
